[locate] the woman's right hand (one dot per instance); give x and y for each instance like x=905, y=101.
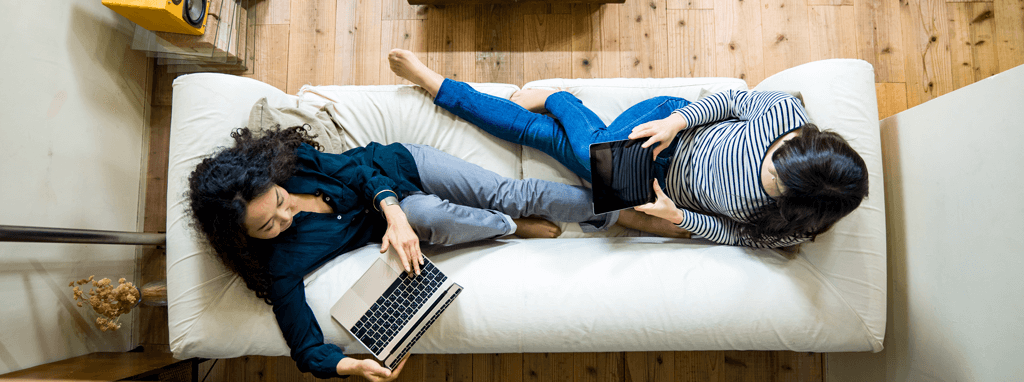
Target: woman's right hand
x=402, y=238
x=369, y=369
x=661, y=131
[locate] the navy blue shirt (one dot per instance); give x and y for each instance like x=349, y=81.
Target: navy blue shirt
x=353, y=184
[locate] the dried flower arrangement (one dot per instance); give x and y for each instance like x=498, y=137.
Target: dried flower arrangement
x=107, y=300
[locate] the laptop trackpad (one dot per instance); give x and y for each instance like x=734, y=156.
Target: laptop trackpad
x=364, y=293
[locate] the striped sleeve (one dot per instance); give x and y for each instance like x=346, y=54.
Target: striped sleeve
x=739, y=104
x=727, y=231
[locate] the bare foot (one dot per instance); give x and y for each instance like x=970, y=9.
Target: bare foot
x=640, y=221
x=536, y=228
x=532, y=99
x=406, y=65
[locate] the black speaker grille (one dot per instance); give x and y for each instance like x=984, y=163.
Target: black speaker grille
x=194, y=12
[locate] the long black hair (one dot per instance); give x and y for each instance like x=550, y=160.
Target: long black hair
x=825, y=179
x=224, y=183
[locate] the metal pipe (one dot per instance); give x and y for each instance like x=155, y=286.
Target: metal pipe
x=82, y=236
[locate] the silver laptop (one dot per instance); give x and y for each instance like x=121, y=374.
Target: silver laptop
x=387, y=311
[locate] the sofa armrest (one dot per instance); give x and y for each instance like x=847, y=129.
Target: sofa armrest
x=839, y=95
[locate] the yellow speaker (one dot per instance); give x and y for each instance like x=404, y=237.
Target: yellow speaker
x=175, y=16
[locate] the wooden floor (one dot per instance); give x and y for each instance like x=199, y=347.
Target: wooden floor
x=920, y=49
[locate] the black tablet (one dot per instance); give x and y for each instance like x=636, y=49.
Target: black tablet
x=622, y=175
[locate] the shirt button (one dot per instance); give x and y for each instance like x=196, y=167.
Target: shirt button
x=339, y=217
x=327, y=198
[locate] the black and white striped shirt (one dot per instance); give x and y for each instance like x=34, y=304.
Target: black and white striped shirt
x=715, y=173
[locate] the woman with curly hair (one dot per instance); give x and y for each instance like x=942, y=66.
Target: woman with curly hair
x=740, y=167
x=274, y=208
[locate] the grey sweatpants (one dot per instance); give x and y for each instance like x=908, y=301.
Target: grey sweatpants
x=463, y=202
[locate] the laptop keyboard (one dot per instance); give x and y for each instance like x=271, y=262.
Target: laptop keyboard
x=437, y=314
x=396, y=307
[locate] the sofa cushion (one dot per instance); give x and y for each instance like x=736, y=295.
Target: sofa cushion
x=406, y=114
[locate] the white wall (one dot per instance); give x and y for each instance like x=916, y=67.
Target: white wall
x=73, y=112
x=955, y=216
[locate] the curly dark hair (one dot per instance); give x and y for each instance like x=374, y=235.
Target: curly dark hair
x=224, y=183
x=825, y=180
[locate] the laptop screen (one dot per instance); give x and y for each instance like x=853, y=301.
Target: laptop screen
x=622, y=175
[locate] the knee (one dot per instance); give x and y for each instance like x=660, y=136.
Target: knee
x=421, y=212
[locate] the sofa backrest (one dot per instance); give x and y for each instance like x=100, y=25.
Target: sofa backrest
x=406, y=114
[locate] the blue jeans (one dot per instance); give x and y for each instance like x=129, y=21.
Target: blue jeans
x=474, y=203
x=566, y=137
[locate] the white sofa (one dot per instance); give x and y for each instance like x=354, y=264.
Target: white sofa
x=571, y=294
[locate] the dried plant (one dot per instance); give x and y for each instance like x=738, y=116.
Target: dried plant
x=107, y=300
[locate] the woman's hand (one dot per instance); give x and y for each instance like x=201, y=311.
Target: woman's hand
x=663, y=207
x=369, y=369
x=660, y=131
x=401, y=236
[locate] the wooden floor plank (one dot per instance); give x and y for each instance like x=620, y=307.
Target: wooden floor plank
x=273, y=12
x=796, y=367
x=880, y=38
x=693, y=366
x=562, y=367
x=402, y=34
x=402, y=10
x=643, y=34
x=636, y=367
x=498, y=367
x=749, y=366
x=738, y=41
x=450, y=42
x=892, y=99
x=586, y=59
x=691, y=43
x=832, y=32
x=510, y=368
x=462, y=368
x=661, y=366
x=610, y=59
x=499, y=56
x=927, y=56
x=983, y=48
x=548, y=39
x=439, y=368
x=358, y=43
x=537, y=367
x=962, y=59
x=785, y=29
x=690, y=4
x=414, y=370
x=311, y=43
x=611, y=367
x=830, y=2
x=585, y=367
x=270, y=66
x=1009, y=24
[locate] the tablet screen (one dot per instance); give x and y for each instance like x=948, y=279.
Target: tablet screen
x=622, y=175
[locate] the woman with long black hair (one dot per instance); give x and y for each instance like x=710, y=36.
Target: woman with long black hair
x=274, y=209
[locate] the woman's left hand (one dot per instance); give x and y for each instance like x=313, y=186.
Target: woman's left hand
x=663, y=207
x=401, y=236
